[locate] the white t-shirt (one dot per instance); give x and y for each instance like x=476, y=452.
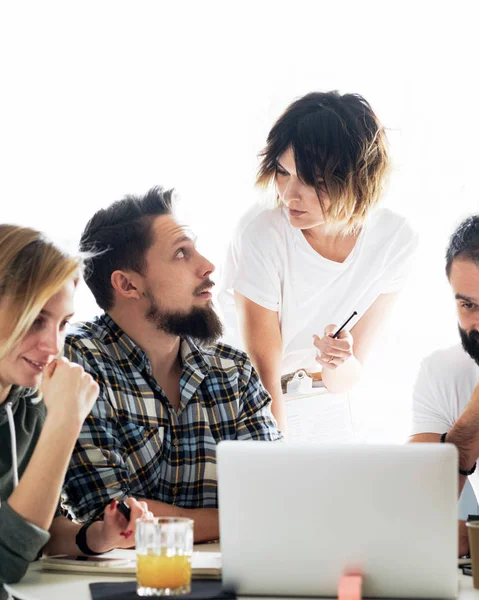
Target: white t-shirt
x=271, y=263
x=442, y=391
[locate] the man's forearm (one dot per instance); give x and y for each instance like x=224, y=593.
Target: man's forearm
x=465, y=436
x=206, y=521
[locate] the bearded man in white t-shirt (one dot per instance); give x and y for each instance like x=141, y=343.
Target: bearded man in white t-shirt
x=446, y=394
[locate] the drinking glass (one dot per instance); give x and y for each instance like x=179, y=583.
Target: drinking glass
x=164, y=547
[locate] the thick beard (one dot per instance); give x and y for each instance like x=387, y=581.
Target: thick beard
x=470, y=343
x=201, y=324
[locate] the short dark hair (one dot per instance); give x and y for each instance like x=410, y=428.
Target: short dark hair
x=118, y=237
x=464, y=243
x=337, y=138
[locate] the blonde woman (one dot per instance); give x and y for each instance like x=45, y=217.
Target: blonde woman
x=38, y=429
x=295, y=273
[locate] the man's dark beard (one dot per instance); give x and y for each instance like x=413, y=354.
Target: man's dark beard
x=470, y=343
x=201, y=324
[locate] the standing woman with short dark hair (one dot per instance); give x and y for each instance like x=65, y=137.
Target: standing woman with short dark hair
x=296, y=272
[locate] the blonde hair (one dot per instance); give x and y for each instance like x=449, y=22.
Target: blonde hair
x=339, y=146
x=32, y=270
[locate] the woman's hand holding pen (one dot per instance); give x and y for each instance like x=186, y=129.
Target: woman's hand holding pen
x=333, y=352
x=115, y=531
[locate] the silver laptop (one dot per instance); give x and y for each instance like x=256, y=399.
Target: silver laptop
x=295, y=517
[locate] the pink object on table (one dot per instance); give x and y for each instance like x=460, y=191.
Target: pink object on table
x=349, y=587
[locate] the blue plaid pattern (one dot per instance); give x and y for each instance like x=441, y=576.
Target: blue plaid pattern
x=133, y=443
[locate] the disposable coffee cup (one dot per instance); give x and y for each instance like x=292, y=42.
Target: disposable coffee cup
x=473, y=535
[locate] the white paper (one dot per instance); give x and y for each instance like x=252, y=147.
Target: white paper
x=319, y=417
x=199, y=560
x=204, y=564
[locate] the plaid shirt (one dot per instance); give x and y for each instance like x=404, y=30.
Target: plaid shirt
x=133, y=443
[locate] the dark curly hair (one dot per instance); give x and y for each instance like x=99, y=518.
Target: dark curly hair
x=464, y=243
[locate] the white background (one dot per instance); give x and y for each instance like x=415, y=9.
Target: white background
x=103, y=98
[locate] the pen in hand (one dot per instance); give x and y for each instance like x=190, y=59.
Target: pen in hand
x=335, y=335
x=124, y=509
x=121, y=506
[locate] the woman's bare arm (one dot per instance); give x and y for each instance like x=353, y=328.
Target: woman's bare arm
x=262, y=338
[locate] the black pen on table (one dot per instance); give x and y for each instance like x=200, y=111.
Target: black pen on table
x=344, y=325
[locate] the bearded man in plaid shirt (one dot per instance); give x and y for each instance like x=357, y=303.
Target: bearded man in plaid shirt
x=168, y=392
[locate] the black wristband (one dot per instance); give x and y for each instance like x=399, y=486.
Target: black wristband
x=80, y=540
x=461, y=471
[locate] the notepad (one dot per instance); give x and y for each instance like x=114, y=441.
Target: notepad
x=205, y=565
x=316, y=415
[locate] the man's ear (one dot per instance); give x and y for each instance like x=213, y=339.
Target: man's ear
x=126, y=284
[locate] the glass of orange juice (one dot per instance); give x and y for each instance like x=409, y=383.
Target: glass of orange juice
x=164, y=547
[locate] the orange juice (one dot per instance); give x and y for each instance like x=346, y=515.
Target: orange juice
x=161, y=571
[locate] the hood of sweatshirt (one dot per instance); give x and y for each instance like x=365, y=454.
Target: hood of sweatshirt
x=19, y=436
x=16, y=394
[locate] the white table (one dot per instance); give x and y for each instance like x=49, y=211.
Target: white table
x=44, y=585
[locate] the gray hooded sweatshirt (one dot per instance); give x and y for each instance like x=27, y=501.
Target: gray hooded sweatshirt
x=20, y=541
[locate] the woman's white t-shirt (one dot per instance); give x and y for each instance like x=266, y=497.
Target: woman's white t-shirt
x=271, y=263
